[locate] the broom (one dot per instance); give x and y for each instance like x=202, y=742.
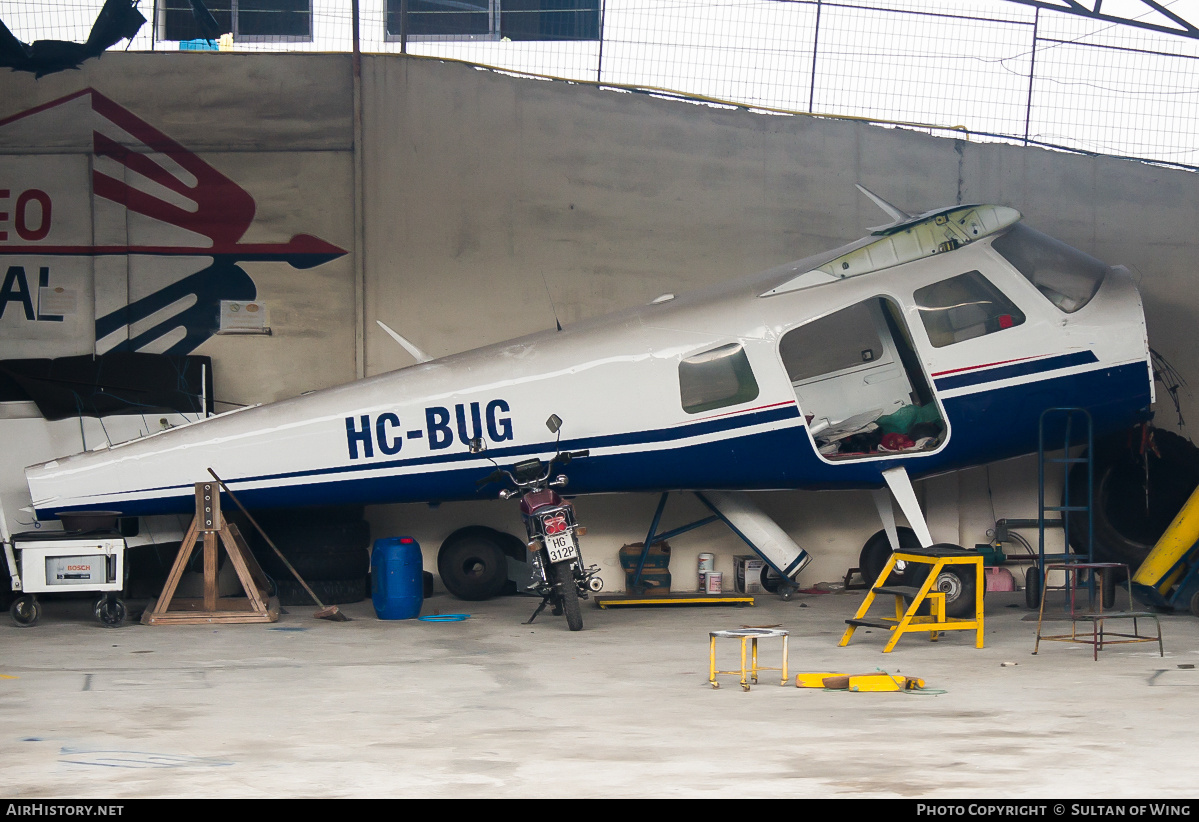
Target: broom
x=331, y=613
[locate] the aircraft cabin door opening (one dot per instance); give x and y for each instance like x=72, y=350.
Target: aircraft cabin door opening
x=859, y=383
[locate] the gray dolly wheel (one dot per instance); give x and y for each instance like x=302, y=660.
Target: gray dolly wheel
x=111, y=611
x=25, y=611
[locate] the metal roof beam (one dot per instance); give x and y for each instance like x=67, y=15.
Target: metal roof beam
x=1091, y=9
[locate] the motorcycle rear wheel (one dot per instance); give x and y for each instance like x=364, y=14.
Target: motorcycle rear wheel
x=568, y=595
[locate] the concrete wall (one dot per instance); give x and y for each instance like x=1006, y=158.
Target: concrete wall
x=492, y=203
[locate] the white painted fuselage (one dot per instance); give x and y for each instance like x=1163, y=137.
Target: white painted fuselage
x=768, y=383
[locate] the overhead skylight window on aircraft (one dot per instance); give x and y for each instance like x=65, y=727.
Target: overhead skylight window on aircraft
x=963, y=308
x=716, y=378
x=1065, y=275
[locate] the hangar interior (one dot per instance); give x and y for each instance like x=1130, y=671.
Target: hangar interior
x=462, y=205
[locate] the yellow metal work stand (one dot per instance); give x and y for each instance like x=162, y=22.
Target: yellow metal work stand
x=906, y=620
x=748, y=636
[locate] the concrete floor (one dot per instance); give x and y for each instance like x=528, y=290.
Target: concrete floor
x=489, y=707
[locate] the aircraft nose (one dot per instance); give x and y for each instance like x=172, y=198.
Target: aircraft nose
x=1118, y=314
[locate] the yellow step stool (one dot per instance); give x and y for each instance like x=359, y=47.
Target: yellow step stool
x=906, y=619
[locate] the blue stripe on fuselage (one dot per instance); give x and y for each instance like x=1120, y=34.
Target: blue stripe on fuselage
x=1021, y=369
x=986, y=425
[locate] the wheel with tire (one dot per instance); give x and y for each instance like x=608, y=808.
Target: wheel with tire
x=772, y=583
x=568, y=595
x=328, y=591
x=271, y=519
x=195, y=563
x=325, y=550
x=25, y=611
x=1032, y=587
x=770, y=580
x=1129, y=517
x=1108, y=588
x=958, y=585
x=877, y=551
x=472, y=563
x=516, y=549
x=1195, y=603
x=111, y=611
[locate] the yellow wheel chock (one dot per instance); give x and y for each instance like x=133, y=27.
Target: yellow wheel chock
x=879, y=681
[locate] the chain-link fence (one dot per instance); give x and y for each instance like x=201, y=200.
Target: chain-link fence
x=986, y=69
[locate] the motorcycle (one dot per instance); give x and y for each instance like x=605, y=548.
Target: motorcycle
x=558, y=574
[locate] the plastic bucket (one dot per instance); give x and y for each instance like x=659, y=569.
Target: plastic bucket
x=397, y=578
x=713, y=582
x=707, y=562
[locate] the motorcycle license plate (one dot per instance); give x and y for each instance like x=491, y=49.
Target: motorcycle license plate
x=561, y=547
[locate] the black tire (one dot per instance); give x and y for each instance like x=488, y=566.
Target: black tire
x=877, y=551
x=1125, y=530
x=25, y=611
x=472, y=563
x=1108, y=588
x=147, y=567
x=273, y=518
x=770, y=580
x=111, y=612
x=151, y=563
x=513, y=546
x=330, y=550
x=568, y=595
x=957, y=583
x=328, y=591
x=1032, y=587
x=772, y=583
x=959, y=586
x=195, y=563
x=1195, y=603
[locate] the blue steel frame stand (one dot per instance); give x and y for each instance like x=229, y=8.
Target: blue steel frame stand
x=1066, y=418
x=786, y=586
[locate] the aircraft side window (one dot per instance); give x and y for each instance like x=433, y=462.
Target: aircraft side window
x=964, y=307
x=716, y=378
x=1066, y=276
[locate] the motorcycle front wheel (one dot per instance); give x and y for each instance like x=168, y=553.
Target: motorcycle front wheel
x=568, y=595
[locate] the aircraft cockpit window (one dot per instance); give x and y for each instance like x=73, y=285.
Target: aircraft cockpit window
x=716, y=378
x=964, y=307
x=1065, y=275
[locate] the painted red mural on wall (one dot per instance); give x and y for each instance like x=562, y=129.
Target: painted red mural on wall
x=144, y=224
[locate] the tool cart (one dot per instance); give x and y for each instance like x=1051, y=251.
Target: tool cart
x=41, y=563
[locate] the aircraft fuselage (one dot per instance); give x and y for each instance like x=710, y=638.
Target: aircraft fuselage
x=763, y=384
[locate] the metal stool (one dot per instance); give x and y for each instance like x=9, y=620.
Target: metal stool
x=751, y=636
x=1099, y=636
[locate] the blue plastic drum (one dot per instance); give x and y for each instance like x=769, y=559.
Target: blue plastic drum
x=397, y=582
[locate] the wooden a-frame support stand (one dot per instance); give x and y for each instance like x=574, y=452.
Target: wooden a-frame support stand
x=210, y=527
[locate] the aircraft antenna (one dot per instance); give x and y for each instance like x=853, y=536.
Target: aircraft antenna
x=553, y=308
x=418, y=355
